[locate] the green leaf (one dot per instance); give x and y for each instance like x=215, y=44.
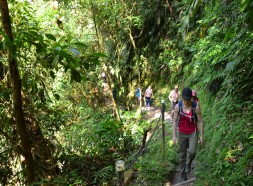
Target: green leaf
x=58, y=48
x=74, y=51
x=34, y=33
x=40, y=47
x=93, y=59
x=65, y=55
x=80, y=44
x=99, y=54
x=37, y=183
x=55, y=61
x=6, y=94
x=50, y=36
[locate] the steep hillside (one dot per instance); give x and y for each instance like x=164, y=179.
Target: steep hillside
x=216, y=47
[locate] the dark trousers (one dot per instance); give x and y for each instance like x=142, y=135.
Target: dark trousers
x=187, y=146
x=148, y=101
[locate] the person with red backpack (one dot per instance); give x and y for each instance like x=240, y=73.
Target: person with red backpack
x=187, y=118
x=194, y=96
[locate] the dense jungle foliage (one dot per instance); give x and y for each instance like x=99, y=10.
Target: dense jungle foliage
x=61, y=124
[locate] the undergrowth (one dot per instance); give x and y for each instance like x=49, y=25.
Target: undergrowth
x=228, y=150
x=151, y=168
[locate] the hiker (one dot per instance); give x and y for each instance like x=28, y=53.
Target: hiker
x=187, y=116
x=138, y=95
x=148, y=95
x=174, y=98
x=194, y=96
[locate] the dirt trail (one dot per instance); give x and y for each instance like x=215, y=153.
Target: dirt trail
x=155, y=113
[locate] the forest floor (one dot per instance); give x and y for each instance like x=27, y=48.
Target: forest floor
x=154, y=113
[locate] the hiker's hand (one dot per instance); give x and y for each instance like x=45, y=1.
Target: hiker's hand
x=174, y=140
x=201, y=140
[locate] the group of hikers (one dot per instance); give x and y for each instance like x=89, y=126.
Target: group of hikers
x=187, y=124
x=148, y=96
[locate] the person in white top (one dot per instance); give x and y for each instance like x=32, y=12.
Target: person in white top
x=174, y=98
x=148, y=95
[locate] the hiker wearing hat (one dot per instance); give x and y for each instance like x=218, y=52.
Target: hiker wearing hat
x=174, y=97
x=188, y=121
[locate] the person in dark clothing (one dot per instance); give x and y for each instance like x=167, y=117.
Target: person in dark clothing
x=138, y=95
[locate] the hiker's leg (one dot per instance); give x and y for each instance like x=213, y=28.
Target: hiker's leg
x=193, y=143
x=182, y=140
x=172, y=110
x=148, y=101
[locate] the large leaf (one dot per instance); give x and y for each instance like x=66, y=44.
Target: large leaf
x=55, y=61
x=94, y=58
x=80, y=44
x=65, y=55
x=51, y=37
x=74, y=51
x=99, y=54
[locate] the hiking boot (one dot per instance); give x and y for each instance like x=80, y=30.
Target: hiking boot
x=184, y=176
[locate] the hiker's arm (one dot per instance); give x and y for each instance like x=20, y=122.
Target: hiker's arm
x=200, y=123
x=170, y=97
x=175, y=119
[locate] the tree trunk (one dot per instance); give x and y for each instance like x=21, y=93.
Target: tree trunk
x=115, y=106
x=17, y=97
x=1, y=64
x=138, y=65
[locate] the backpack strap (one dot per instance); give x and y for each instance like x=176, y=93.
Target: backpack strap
x=194, y=105
x=180, y=112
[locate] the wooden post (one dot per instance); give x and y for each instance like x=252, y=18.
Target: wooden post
x=120, y=168
x=163, y=132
